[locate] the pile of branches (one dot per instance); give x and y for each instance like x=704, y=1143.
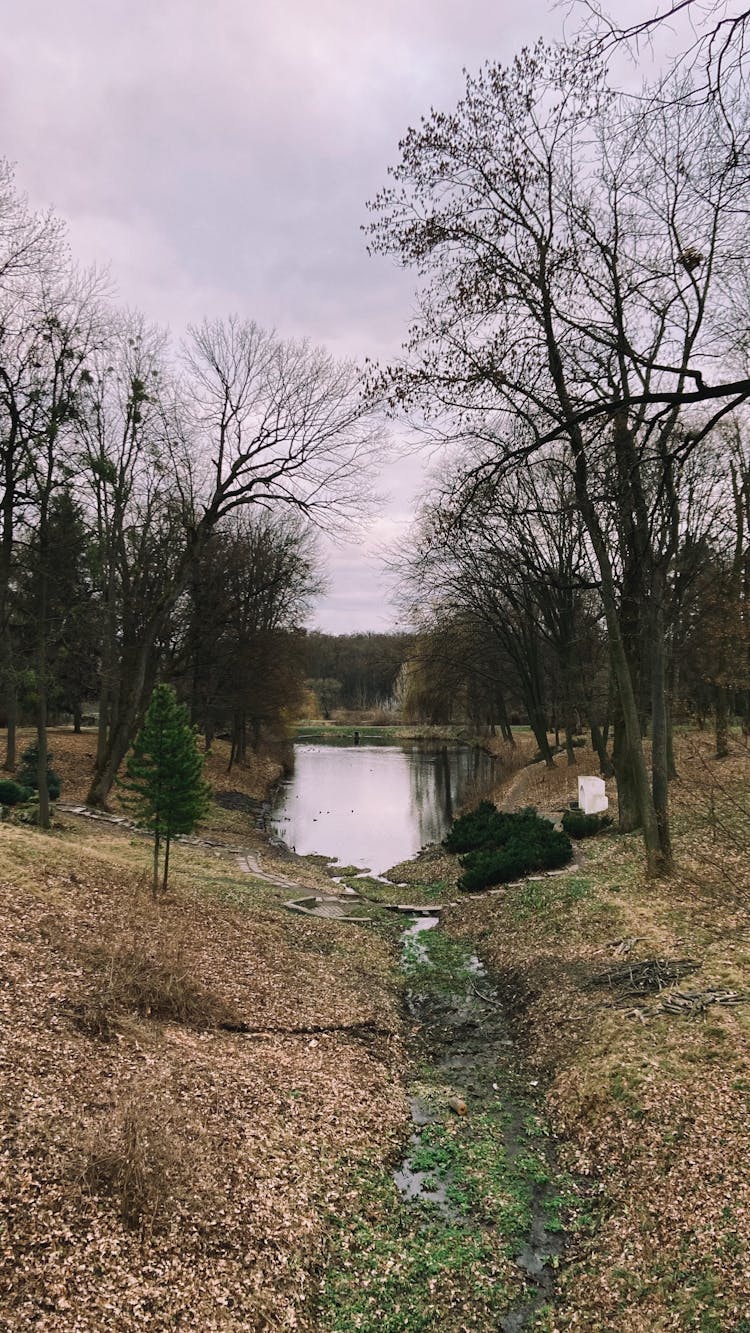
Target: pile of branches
x=654, y=974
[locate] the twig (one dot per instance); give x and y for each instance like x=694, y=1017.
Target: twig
x=487, y=998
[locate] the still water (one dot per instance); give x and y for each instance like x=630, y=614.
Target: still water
x=374, y=805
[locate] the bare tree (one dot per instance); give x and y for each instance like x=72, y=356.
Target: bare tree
x=256, y=421
x=574, y=261
x=63, y=331
x=31, y=250
x=711, y=37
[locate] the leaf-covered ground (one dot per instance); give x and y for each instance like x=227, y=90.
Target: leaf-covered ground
x=652, y=1109
x=157, y=1171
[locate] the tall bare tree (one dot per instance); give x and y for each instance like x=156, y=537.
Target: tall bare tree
x=574, y=261
x=255, y=421
x=32, y=249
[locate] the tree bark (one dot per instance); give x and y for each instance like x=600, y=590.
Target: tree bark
x=155, y=876
x=165, y=876
x=722, y=722
x=632, y=760
x=599, y=744
x=660, y=726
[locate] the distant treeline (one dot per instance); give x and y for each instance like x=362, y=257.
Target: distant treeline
x=356, y=670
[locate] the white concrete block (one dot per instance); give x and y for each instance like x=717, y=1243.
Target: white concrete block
x=591, y=796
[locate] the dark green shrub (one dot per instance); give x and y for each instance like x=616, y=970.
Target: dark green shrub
x=520, y=856
x=499, y=847
x=27, y=773
x=11, y=793
x=579, y=825
x=486, y=826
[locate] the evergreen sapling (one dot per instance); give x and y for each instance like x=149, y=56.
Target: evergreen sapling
x=164, y=776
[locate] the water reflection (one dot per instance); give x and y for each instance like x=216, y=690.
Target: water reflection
x=374, y=805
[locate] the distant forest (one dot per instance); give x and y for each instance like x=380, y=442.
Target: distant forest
x=356, y=670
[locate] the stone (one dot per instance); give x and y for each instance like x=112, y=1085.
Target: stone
x=592, y=797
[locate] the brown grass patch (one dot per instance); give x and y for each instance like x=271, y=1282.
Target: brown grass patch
x=134, y=1159
x=146, y=968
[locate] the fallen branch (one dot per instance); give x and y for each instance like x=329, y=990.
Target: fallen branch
x=690, y=1003
x=653, y=974
x=309, y=1030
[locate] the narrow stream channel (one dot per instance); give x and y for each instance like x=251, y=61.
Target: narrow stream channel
x=476, y=1182
x=475, y=1077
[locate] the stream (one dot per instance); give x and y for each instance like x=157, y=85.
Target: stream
x=477, y=1184
x=477, y=1089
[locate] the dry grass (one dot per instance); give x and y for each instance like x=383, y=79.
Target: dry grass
x=136, y=1161
x=653, y=1112
x=145, y=967
x=226, y=1149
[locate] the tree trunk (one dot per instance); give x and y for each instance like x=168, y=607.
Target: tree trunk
x=77, y=718
x=41, y=672
x=599, y=744
x=502, y=717
x=119, y=738
x=722, y=722
x=538, y=725
x=626, y=779
x=165, y=877
x=11, y=704
x=671, y=758
x=660, y=728
x=632, y=763
x=155, y=876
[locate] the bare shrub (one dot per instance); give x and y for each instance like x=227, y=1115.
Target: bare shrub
x=145, y=968
x=136, y=1162
x=712, y=815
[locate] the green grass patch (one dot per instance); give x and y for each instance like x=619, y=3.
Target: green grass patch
x=401, y=1266
x=436, y=964
x=376, y=891
x=547, y=897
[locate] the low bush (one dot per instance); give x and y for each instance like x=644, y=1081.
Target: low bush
x=12, y=793
x=135, y=1161
x=579, y=825
x=145, y=970
x=484, y=826
x=498, y=847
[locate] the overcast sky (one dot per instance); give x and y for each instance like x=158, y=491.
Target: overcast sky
x=217, y=156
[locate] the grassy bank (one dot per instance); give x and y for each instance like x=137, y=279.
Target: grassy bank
x=649, y=1103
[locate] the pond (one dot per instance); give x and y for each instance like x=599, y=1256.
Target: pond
x=375, y=805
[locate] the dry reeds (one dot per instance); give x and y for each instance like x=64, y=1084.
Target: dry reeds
x=145, y=968
x=135, y=1160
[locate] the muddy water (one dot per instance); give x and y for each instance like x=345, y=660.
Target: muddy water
x=474, y=1071
x=374, y=805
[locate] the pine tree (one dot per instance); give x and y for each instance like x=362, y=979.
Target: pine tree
x=164, y=776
